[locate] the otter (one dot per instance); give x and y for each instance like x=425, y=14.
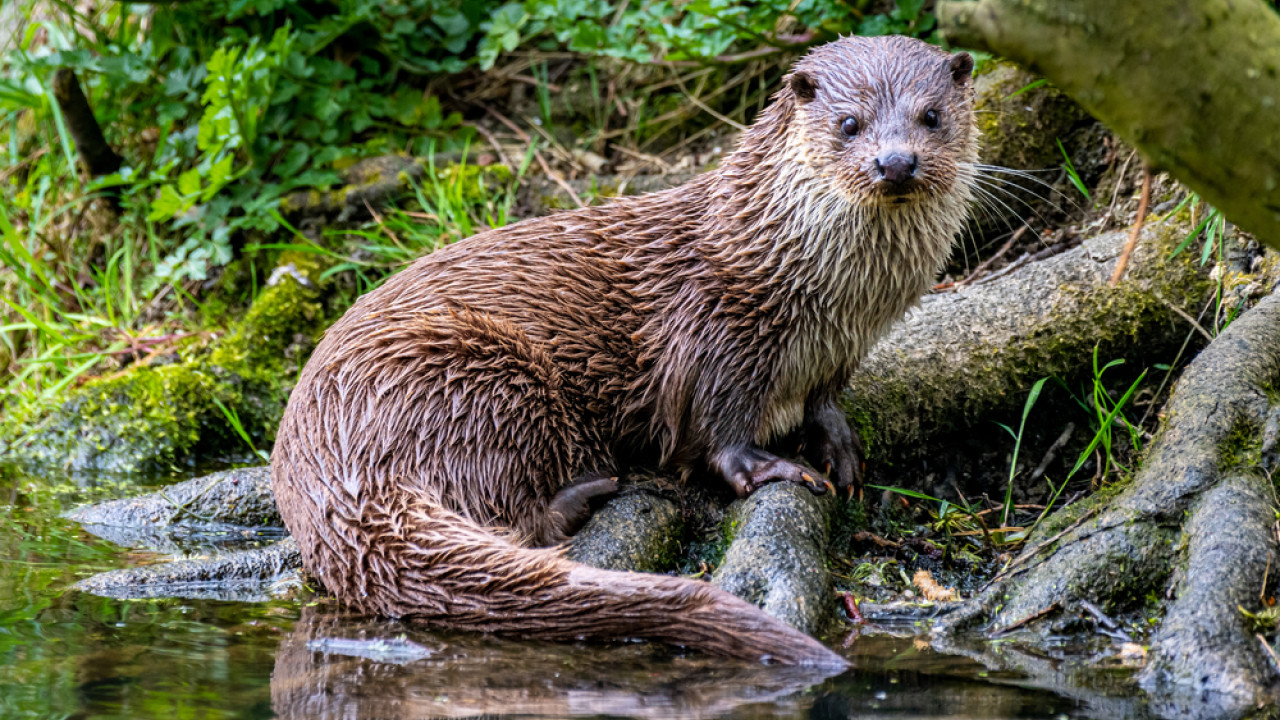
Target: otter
x=462, y=418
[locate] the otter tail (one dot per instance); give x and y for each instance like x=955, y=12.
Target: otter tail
x=421, y=561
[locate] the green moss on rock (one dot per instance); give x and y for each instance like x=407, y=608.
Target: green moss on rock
x=1020, y=123
x=911, y=390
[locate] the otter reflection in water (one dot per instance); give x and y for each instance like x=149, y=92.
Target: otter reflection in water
x=481, y=676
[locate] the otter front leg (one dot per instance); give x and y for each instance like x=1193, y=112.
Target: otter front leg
x=830, y=444
x=746, y=468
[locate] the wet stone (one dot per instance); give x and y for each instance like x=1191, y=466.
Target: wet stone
x=253, y=575
x=777, y=558
x=637, y=530
x=231, y=498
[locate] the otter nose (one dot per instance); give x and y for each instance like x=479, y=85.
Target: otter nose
x=897, y=167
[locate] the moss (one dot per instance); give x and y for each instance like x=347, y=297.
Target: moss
x=850, y=517
x=1021, y=131
x=123, y=423
x=1242, y=448
x=710, y=551
x=1063, y=518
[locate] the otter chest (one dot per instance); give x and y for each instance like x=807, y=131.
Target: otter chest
x=837, y=319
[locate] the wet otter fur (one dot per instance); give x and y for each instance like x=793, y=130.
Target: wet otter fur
x=501, y=382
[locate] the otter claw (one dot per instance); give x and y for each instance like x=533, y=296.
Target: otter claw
x=813, y=484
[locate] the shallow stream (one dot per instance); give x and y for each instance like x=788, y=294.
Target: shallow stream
x=65, y=654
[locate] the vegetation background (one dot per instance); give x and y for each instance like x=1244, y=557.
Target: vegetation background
x=234, y=121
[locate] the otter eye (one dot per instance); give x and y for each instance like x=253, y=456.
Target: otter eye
x=849, y=126
x=930, y=118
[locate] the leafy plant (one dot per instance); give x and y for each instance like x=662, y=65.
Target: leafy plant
x=1108, y=413
x=1017, y=445
x=946, y=509
x=233, y=419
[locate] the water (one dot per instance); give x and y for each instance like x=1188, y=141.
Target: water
x=66, y=654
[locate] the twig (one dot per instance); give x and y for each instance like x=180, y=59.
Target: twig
x=1271, y=653
x=1031, y=551
x=790, y=43
x=4, y=174
x=988, y=511
x=1052, y=452
x=1023, y=259
x=531, y=81
x=1105, y=622
x=864, y=536
x=497, y=147
x=1176, y=358
x=377, y=218
x=1262, y=592
x=1123, y=263
x=1111, y=209
x=542, y=162
x=707, y=108
x=138, y=344
x=987, y=263
x=654, y=160
x=1194, y=323
x=1026, y=620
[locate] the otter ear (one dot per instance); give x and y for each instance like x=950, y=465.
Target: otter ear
x=961, y=67
x=803, y=85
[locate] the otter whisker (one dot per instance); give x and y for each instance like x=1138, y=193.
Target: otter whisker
x=995, y=204
x=993, y=187
x=990, y=172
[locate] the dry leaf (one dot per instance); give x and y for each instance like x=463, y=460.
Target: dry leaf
x=932, y=591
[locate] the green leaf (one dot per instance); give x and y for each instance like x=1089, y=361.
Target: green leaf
x=189, y=182
x=452, y=22
x=167, y=205
x=909, y=10
x=293, y=160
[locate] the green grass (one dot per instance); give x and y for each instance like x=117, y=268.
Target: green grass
x=1007, y=510
x=1071, y=172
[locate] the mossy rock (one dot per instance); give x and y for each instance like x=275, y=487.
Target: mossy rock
x=963, y=355
x=152, y=417
x=1021, y=122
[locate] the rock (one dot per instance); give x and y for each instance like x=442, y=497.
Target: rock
x=637, y=530
x=253, y=575
x=777, y=557
x=231, y=498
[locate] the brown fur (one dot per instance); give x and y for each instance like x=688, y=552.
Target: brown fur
x=692, y=326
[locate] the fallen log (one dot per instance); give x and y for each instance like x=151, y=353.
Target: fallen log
x=1126, y=63
x=964, y=354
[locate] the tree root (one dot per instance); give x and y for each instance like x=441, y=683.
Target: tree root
x=1193, y=525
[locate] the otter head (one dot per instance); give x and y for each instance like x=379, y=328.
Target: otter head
x=884, y=120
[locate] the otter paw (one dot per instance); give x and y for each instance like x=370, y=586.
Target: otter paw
x=573, y=505
x=749, y=468
x=831, y=445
